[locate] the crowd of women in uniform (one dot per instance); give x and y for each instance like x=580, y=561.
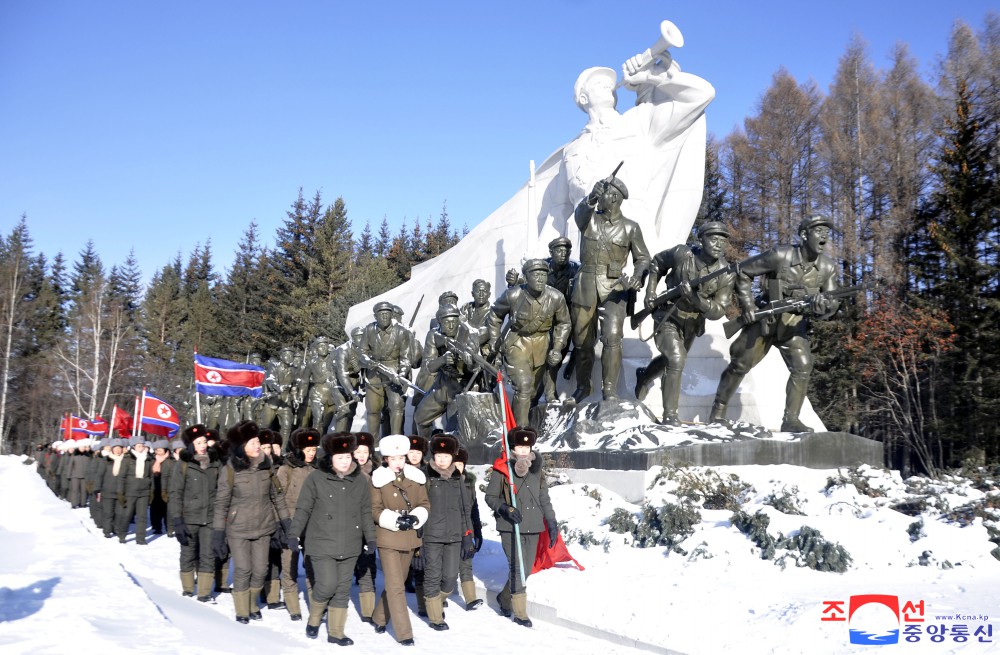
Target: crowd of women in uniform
x=335, y=503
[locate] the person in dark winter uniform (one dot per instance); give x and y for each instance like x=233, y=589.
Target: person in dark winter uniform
x=334, y=513
x=134, y=489
x=365, y=569
x=77, y=473
x=172, y=464
x=249, y=512
x=447, y=537
x=270, y=445
x=193, y=484
x=399, y=508
x=106, y=487
x=529, y=509
x=95, y=471
x=158, y=503
x=300, y=461
x=221, y=564
x=465, y=566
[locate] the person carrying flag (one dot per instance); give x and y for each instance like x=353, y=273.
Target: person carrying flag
x=528, y=512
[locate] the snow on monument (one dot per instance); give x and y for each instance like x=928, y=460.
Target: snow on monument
x=662, y=143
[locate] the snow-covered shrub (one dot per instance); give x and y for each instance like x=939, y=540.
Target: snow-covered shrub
x=786, y=502
x=855, y=476
x=809, y=548
x=713, y=490
x=916, y=530
x=755, y=527
x=667, y=526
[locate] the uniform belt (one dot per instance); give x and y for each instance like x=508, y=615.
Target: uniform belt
x=594, y=268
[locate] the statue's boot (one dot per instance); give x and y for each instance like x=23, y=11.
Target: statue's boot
x=584, y=369
x=611, y=368
x=728, y=384
x=670, y=387
x=795, y=395
x=646, y=375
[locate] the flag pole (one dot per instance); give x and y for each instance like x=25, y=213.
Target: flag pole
x=197, y=396
x=111, y=428
x=510, y=475
x=137, y=422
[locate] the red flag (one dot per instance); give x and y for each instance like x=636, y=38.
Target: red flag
x=508, y=414
x=158, y=417
x=546, y=558
x=66, y=428
x=122, y=422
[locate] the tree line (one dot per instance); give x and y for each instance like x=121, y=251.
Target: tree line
x=81, y=337
x=907, y=168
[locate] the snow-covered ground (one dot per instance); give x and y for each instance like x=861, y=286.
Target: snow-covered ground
x=66, y=589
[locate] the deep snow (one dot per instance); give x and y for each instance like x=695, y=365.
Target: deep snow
x=66, y=589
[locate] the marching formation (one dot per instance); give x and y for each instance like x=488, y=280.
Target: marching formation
x=254, y=510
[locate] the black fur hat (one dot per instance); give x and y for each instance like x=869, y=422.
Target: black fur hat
x=522, y=436
x=240, y=434
x=303, y=438
x=418, y=443
x=193, y=432
x=213, y=435
x=366, y=439
x=444, y=444
x=339, y=443
x=269, y=437
x=462, y=456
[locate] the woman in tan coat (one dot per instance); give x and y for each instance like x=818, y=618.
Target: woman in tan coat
x=399, y=507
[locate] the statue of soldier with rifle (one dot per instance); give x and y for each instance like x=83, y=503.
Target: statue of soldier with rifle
x=320, y=380
x=278, y=382
x=448, y=356
x=347, y=392
x=800, y=285
x=562, y=276
x=699, y=286
x=602, y=288
x=539, y=329
x=385, y=354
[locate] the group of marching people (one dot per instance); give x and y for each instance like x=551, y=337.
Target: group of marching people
x=330, y=500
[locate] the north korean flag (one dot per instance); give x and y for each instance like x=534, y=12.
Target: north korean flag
x=82, y=427
x=158, y=417
x=221, y=377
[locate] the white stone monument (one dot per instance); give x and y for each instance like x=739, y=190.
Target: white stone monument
x=662, y=143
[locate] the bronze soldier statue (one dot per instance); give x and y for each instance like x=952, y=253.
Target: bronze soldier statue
x=602, y=288
x=477, y=311
x=321, y=380
x=562, y=275
x=278, y=382
x=385, y=353
x=539, y=330
x=790, y=272
x=347, y=370
x=452, y=369
x=425, y=377
x=680, y=321
x=247, y=408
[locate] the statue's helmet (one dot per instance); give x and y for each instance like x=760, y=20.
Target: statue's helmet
x=445, y=311
x=534, y=265
x=585, y=77
x=713, y=227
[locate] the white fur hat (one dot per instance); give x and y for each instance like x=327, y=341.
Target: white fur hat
x=394, y=444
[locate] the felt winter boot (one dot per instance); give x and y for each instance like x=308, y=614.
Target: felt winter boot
x=205, y=581
x=187, y=583
x=366, y=599
x=435, y=613
x=520, y=604
x=254, y=607
x=469, y=594
x=272, y=589
x=503, y=600
x=315, y=618
x=335, y=626
x=291, y=595
x=241, y=601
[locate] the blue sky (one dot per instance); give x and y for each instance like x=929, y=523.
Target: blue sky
x=159, y=125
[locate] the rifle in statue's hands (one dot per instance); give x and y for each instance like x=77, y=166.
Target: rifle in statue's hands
x=397, y=379
x=674, y=293
x=786, y=305
x=467, y=353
